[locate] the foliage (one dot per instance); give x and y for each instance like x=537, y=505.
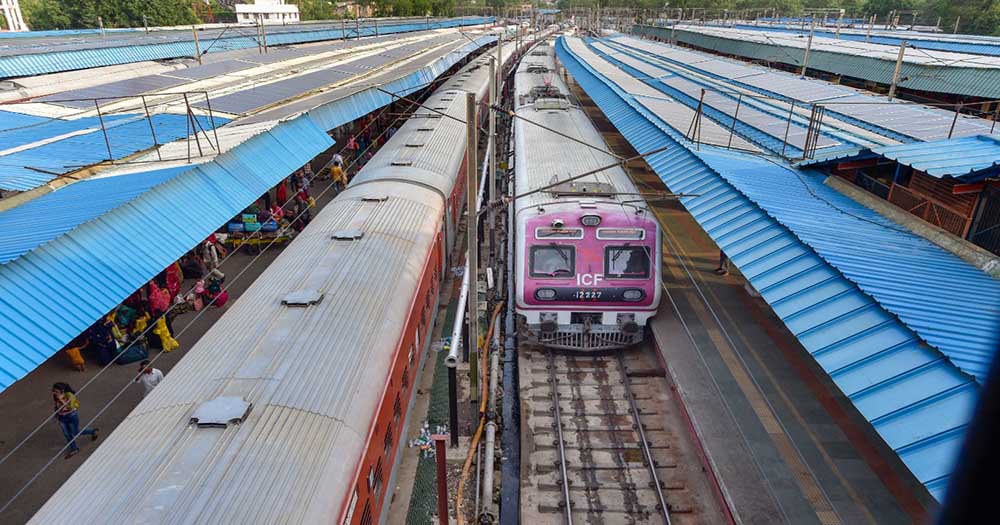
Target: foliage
x=66, y=14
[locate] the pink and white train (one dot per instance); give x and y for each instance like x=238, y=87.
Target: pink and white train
x=588, y=250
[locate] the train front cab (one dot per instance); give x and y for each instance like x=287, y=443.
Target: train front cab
x=589, y=281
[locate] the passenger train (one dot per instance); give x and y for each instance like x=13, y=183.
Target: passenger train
x=588, y=255
x=292, y=408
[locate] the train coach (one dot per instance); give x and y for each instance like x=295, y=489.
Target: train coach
x=588, y=252
x=292, y=408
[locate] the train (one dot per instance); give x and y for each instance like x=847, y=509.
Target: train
x=292, y=408
x=588, y=261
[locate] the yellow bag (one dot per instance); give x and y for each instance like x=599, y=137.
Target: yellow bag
x=169, y=343
x=312, y=202
x=76, y=358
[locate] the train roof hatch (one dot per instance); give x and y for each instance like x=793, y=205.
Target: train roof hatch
x=577, y=188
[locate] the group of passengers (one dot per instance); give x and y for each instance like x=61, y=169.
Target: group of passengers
x=144, y=320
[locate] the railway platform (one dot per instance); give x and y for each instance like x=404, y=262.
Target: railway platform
x=781, y=439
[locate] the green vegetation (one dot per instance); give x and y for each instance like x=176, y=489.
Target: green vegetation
x=976, y=16
x=74, y=14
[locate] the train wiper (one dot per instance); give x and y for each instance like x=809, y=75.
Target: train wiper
x=561, y=255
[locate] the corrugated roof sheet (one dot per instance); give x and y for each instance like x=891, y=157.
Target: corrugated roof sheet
x=972, y=44
x=42, y=316
x=54, y=292
x=951, y=304
x=41, y=220
x=27, y=62
x=963, y=158
x=949, y=73
x=917, y=401
x=32, y=167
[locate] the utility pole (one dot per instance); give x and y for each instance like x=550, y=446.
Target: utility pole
x=899, y=68
x=100, y=25
x=263, y=35
x=472, y=236
x=840, y=20
x=197, y=46
x=145, y=23
x=871, y=23
x=957, y=20
x=809, y=44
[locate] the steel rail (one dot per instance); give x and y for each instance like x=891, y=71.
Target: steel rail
x=647, y=453
x=560, y=444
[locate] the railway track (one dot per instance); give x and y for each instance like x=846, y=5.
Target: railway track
x=605, y=442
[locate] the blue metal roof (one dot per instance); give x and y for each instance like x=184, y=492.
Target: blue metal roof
x=30, y=168
x=967, y=158
x=55, y=291
x=951, y=304
x=119, y=52
x=12, y=120
x=41, y=220
x=917, y=400
x=337, y=112
x=978, y=45
x=25, y=129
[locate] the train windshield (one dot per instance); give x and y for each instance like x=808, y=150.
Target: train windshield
x=553, y=261
x=626, y=262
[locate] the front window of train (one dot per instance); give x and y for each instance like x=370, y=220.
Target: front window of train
x=553, y=261
x=626, y=262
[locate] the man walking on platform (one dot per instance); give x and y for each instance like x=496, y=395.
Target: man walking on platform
x=148, y=377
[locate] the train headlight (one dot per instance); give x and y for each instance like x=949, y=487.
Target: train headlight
x=545, y=294
x=549, y=326
x=590, y=220
x=633, y=294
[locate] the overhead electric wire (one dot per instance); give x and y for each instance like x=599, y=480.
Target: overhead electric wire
x=152, y=323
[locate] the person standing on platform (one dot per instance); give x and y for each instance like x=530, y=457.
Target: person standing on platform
x=148, y=377
x=66, y=407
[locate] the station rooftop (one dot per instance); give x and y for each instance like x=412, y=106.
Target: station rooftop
x=31, y=53
x=931, y=70
x=61, y=265
x=904, y=328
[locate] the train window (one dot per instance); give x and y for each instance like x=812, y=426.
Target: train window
x=371, y=478
x=621, y=234
x=388, y=440
x=558, y=233
x=626, y=262
x=351, y=507
x=397, y=410
x=366, y=515
x=410, y=356
x=553, y=261
x=406, y=377
x=378, y=477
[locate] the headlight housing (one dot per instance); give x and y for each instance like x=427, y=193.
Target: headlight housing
x=545, y=294
x=633, y=295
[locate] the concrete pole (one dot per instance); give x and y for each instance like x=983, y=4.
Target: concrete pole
x=809, y=44
x=899, y=68
x=197, y=46
x=263, y=35
x=472, y=235
x=871, y=23
x=840, y=21
x=100, y=25
x=145, y=23
x=957, y=20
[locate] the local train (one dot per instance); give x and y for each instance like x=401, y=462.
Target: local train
x=588, y=249
x=293, y=406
